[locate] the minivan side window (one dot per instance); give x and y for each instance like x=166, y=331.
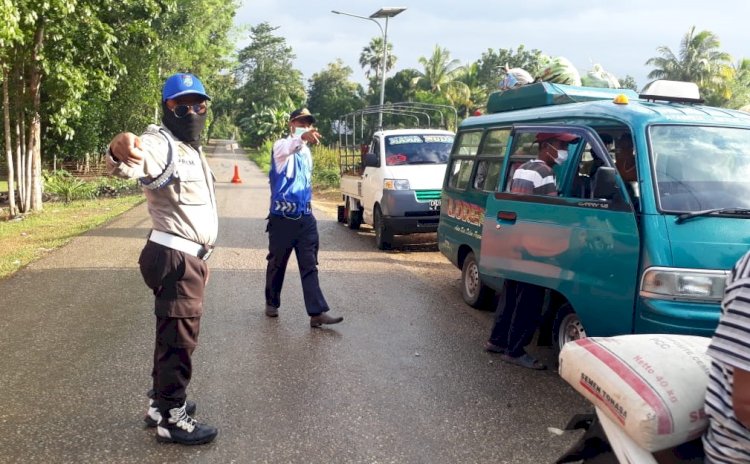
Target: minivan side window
x=490, y=160
x=464, y=150
x=524, y=149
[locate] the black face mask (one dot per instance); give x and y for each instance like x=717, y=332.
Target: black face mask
x=187, y=129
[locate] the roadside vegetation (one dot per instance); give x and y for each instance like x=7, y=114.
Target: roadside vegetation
x=28, y=238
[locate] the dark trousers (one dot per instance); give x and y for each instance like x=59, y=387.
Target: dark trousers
x=178, y=281
x=301, y=235
x=517, y=316
x=176, y=339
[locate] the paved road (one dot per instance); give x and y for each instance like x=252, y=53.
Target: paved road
x=402, y=380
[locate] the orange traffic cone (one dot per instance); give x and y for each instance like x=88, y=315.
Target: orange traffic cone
x=236, y=179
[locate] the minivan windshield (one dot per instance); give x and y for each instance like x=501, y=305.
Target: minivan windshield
x=701, y=168
x=417, y=149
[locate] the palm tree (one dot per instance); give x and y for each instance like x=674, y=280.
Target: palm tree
x=699, y=60
x=440, y=71
x=739, y=85
x=372, y=56
x=477, y=95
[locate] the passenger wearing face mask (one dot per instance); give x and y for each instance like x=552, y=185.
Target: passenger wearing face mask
x=519, y=309
x=291, y=224
x=179, y=188
x=536, y=176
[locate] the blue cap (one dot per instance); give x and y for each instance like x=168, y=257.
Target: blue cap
x=182, y=84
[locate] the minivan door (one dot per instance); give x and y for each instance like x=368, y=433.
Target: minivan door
x=581, y=239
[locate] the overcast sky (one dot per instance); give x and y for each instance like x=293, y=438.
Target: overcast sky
x=620, y=36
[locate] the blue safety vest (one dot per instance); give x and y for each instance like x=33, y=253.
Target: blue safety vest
x=291, y=189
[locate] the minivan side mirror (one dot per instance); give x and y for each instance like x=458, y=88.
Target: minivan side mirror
x=604, y=183
x=372, y=160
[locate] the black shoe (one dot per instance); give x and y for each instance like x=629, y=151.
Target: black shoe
x=324, y=318
x=271, y=311
x=153, y=416
x=183, y=429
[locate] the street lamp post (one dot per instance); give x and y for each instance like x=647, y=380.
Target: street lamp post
x=386, y=12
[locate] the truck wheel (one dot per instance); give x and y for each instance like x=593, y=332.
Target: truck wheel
x=566, y=327
x=341, y=213
x=383, y=237
x=353, y=217
x=475, y=294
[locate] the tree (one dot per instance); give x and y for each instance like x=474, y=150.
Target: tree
x=739, y=85
x=440, y=77
x=699, y=60
x=399, y=87
x=267, y=78
x=75, y=71
x=477, y=93
x=371, y=61
x=332, y=94
x=628, y=82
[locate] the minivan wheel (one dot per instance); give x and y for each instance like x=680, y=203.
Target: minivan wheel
x=383, y=238
x=474, y=293
x=567, y=327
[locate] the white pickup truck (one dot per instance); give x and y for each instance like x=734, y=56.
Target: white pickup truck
x=394, y=183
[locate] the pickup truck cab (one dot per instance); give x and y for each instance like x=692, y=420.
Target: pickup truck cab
x=394, y=184
x=651, y=211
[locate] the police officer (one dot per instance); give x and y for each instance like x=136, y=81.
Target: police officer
x=291, y=224
x=178, y=184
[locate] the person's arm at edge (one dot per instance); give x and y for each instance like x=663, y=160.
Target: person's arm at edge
x=283, y=149
x=741, y=396
x=137, y=157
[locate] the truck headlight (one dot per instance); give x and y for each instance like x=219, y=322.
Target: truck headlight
x=683, y=284
x=396, y=184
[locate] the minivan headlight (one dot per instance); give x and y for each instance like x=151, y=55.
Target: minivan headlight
x=683, y=284
x=395, y=184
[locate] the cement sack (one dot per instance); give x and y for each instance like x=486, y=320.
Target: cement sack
x=653, y=386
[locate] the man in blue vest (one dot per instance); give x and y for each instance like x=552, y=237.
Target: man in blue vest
x=291, y=224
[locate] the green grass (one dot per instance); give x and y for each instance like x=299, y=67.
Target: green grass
x=23, y=241
x=3, y=185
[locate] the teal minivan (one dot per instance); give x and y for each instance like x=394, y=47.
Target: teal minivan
x=650, y=215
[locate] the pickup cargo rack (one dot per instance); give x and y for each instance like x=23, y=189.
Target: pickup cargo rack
x=354, y=127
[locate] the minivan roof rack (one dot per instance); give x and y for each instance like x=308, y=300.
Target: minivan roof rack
x=547, y=93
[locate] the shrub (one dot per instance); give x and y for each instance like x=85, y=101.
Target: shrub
x=63, y=186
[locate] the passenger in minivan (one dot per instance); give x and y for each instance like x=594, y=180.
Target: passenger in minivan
x=536, y=176
x=625, y=158
x=518, y=312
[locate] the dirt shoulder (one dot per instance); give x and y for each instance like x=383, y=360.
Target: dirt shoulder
x=327, y=200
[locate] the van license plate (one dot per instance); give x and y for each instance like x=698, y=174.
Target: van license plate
x=434, y=205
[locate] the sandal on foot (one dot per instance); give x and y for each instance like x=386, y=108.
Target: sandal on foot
x=525, y=360
x=492, y=348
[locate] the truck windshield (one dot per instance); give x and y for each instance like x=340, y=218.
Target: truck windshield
x=417, y=149
x=701, y=168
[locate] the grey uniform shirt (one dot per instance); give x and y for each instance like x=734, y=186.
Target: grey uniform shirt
x=185, y=204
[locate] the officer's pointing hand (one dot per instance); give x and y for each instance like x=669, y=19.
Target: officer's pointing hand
x=312, y=137
x=126, y=147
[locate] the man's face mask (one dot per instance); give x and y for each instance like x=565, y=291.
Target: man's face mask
x=185, y=123
x=561, y=155
x=298, y=131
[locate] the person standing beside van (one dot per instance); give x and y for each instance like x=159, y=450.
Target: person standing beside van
x=727, y=439
x=517, y=314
